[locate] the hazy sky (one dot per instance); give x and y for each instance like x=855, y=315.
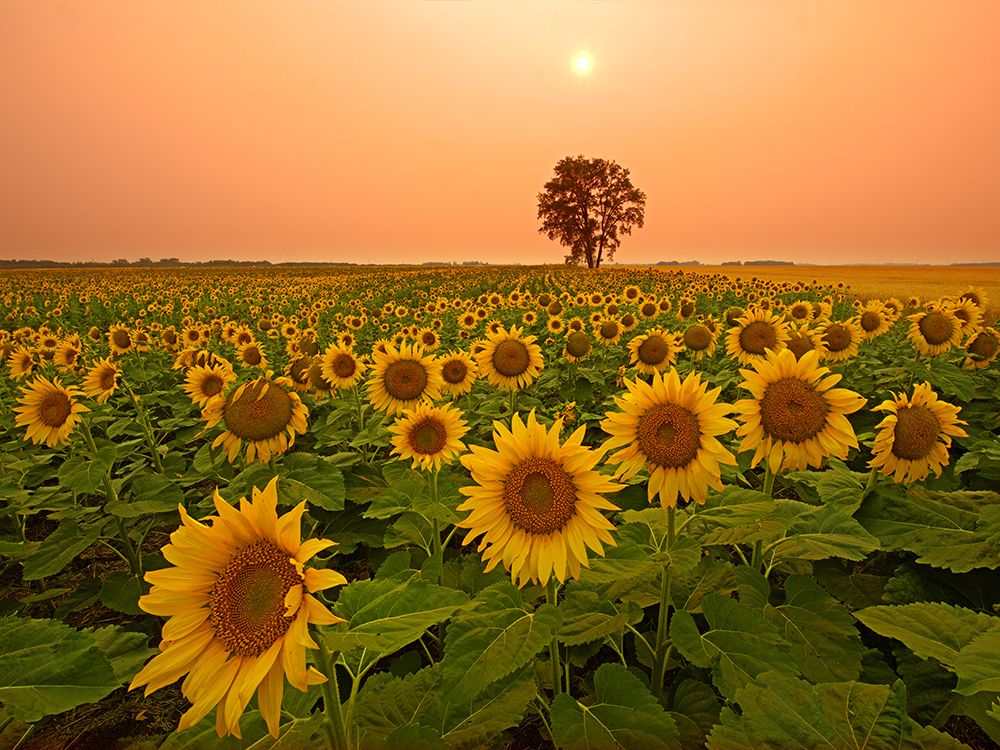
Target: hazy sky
x=404, y=131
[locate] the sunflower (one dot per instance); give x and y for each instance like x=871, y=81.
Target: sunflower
x=577, y=346
x=653, y=351
x=671, y=429
x=428, y=338
x=800, y=311
x=755, y=333
x=101, y=380
x=838, y=340
x=340, y=367
x=796, y=416
x=320, y=386
x=982, y=348
x=67, y=353
x=119, y=339
x=976, y=296
x=169, y=339
x=803, y=339
x=402, y=378
x=20, y=363
x=510, y=360
x=49, y=410
x=934, y=331
x=202, y=384
x=699, y=339
x=239, y=599
x=536, y=502
x=914, y=437
x=252, y=355
x=874, y=320
x=969, y=315
x=266, y=413
x=430, y=435
x=458, y=373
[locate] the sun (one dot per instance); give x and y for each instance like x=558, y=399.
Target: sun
x=583, y=63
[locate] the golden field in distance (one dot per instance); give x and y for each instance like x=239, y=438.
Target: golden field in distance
x=925, y=282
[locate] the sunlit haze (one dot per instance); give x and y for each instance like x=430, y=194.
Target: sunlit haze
x=854, y=131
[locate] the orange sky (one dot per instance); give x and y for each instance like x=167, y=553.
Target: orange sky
x=407, y=131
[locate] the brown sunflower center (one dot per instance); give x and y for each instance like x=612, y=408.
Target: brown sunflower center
x=984, y=345
x=316, y=379
x=251, y=355
x=687, y=309
x=669, y=435
x=935, y=328
x=653, y=350
x=427, y=437
x=648, y=310
x=800, y=344
x=870, y=320
x=454, y=371
x=299, y=370
x=915, y=432
x=608, y=329
x=961, y=313
x=121, y=338
x=344, y=365
x=578, y=344
x=792, y=410
x=837, y=337
x=628, y=320
x=544, y=299
x=243, y=337
x=54, y=408
x=539, y=496
x=428, y=338
x=170, y=337
x=247, y=603
x=758, y=336
x=254, y=416
x=800, y=311
x=106, y=379
x=697, y=338
x=511, y=358
x=212, y=385
x=405, y=379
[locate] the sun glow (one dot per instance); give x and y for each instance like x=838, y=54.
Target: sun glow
x=583, y=63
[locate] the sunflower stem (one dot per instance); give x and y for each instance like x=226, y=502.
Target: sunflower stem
x=872, y=479
x=513, y=403
x=551, y=596
x=662, y=650
x=147, y=427
x=131, y=555
x=336, y=732
x=768, y=480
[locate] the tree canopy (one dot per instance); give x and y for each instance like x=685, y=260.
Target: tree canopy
x=588, y=205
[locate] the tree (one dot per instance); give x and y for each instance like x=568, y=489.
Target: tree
x=587, y=206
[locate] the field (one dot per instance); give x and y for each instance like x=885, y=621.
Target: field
x=722, y=507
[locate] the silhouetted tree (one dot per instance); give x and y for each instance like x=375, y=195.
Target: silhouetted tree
x=587, y=205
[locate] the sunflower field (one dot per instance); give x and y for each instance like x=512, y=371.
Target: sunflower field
x=495, y=507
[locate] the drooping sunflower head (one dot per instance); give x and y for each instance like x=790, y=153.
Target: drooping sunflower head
x=239, y=600
x=101, y=380
x=754, y=334
x=653, y=351
x=981, y=349
x=536, y=501
x=934, y=331
x=429, y=435
x=670, y=428
x=265, y=413
x=402, y=378
x=577, y=346
x=297, y=371
x=458, y=373
x=914, y=437
x=49, y=411
x=838, y=340
x=202, y=384
x=510, y=360
x=341, y=367
x=20, y=362
x=795, y=417
x=699, y=341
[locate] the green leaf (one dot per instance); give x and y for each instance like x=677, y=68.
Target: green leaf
x=820, y=533
x=58, y=549
x=824, y=639
x=494, y=638
x=587, y=617
x=940, y=528
x=125, y=651
x=738, y=516
x=978, y=664
x=710, y=576
x=121, y=592
x=82, y=475
x=856, y=590
x=931, y=630
x=738, y=646
x=695, y=709
x=150, y=494
x=384, y=615
x=49, y=667
x=784, y=711
x=623, y=714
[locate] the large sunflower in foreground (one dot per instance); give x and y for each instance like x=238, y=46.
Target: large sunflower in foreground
x=754, y=334
x=49, y=410
x=510, y=360
x=240, y=600
x=430, y=435
x=670, y=428
x=402, y=378
x=796, y=417
x=914, y=437
x=265, y=413
x=101, y=380
x=536, y=502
